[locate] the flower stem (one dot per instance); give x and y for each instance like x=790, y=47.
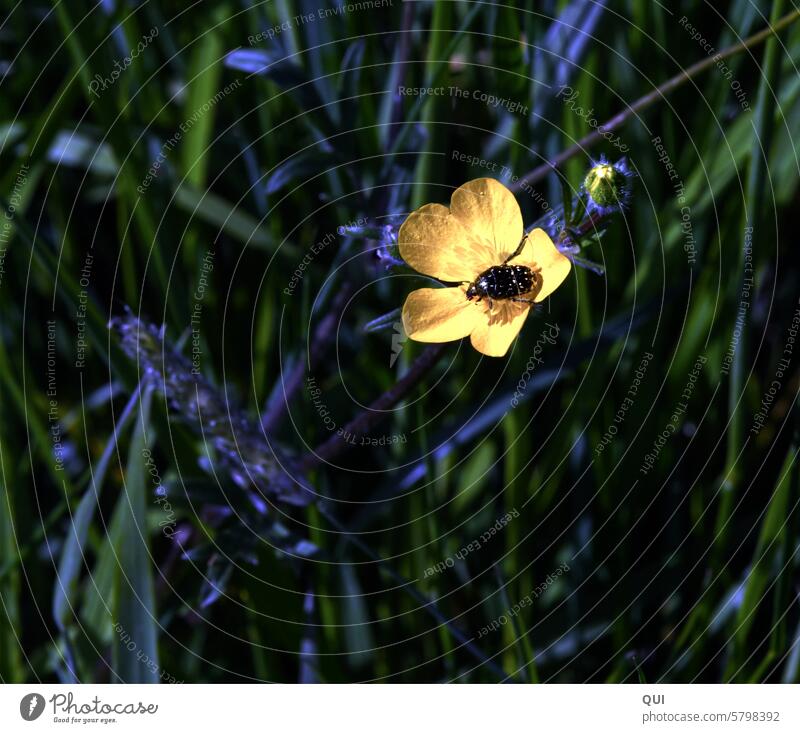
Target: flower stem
x=377, y=411
x=651, y=98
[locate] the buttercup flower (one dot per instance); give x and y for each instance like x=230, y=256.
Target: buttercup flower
x=478, y=243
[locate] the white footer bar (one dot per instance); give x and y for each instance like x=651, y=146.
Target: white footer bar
x=401, y=708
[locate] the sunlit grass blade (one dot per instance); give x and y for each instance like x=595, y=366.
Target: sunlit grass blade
x=135, y=651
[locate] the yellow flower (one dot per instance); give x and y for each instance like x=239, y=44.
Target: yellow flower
x=481, y=229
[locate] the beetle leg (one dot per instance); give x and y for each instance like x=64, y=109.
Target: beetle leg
x=518, y=250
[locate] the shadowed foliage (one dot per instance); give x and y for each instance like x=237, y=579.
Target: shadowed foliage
x=222, y=460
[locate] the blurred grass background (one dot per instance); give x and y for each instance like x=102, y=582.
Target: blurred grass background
x=270, y=134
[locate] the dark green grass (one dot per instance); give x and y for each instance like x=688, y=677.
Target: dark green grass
x=687, y=573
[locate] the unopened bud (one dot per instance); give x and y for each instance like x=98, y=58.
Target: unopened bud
x=608, y=185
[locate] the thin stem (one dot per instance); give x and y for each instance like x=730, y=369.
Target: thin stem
x=319, y=343
x=647, y=100
x=377, y=411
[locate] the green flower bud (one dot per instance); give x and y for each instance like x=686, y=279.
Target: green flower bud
x=607, y=185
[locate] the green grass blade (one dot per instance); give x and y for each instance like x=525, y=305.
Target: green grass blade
x=134, y=652
x=204, y=74
x=73, y=555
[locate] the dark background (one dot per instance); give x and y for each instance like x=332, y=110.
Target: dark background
x=174, y=565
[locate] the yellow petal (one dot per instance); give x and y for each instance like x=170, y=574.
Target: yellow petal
x=435, y=315
x=496, y=331
x=540, y=252
x=435, y=243
x=490, y=212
